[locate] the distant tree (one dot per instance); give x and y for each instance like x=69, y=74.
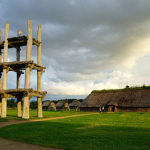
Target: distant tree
x=127, y=87
x=143, y=87
x=11, y=103
x=33, y=105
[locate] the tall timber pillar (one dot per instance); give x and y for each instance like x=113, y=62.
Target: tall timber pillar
x=28, y=71
x=0, y=71
x=18, y=77
x=4, y=99
x=39, y=100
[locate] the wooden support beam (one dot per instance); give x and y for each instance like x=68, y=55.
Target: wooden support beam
x=39, y=66
x=18, y=59
x=26, y=108
x=12, y=45
x=16, y=62
x=16, y=90
x=14, y=42
x=43, y=97
x=4, y=95
x=19, y=107
x=1, y=70
x=17, y=93
x=18, y=49
x=29, y=42
x=19, y=33
x=6, y=42
x=0, y=105
x=39, y=73
x=1, y=36
x=33, y=94
x=4, y=100
x=13, y=96
x=5, y=55
x=11, y=69
x=36, y=43
x=28, y=54
x=7, y=69
x=4, y=108
x=42, y=71
x=27, y=72
x=31, y=66
x=39, y=48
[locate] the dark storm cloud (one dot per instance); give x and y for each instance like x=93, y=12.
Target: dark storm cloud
x=81, y=38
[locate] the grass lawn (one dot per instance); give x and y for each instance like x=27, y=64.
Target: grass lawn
x=12, y=114
x=122, y=131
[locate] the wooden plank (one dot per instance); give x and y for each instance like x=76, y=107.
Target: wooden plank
x=11, y=69
x=16, y=90
x=12, y=42
x=35, y=94
x=29, y=92
x=11, y=45
x=16, y=63
x=36, y=66
x=36, y=43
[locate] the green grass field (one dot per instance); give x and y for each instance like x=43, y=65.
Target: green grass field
x=12, y=114
x=123, y=131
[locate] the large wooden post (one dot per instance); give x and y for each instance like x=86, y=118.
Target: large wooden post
x=0, y=71
x=39, y=100
x=18, y=49
x=18, y=76
x=4, y=100
x=28, y=71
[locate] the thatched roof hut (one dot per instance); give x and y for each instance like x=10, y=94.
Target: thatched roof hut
x=75, y=104
x=130, y=100
x=49, y=105
x=62, y=105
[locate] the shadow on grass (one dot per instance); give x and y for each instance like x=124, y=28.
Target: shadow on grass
x=11, y=117
x=3, y=120
x=78, y=136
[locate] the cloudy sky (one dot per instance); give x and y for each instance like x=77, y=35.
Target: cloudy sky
x=86, y=44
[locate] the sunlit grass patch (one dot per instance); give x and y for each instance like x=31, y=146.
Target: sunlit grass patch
x=12, y=114
x=99, y=131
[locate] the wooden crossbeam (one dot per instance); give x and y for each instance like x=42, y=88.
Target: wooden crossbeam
x=16, y=62
x=36, y=43
x=32, y=66
x=43, y=97
x=16, y=90
x=18, y=93
x=11, y=69
x=12, y=42
x=12, y=45
x=28, y=63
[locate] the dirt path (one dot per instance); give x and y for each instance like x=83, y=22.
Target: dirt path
x=14, y=145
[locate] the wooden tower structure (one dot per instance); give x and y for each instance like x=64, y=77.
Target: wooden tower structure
x=25, y=93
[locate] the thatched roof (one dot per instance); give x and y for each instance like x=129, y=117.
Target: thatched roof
x=46, y=103
x=75, y=103
x=60, y=103
x=133, y=98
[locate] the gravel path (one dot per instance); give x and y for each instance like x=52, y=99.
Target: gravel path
x=14, y=145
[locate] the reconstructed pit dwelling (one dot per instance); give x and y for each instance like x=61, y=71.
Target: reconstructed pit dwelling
x=18, y=66
x=118, y=101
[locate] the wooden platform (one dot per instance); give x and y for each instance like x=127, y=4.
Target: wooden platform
x=16, y=42
x=21, y=65
x=20, y=93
